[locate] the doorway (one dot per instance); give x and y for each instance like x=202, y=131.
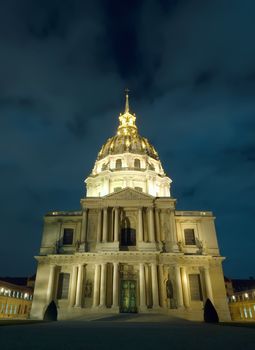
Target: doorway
x=128, y=296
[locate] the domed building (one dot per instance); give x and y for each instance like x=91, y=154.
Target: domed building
x=128, y=249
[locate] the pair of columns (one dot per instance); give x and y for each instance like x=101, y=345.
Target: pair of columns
x=102, y=227
x=142, y=285
x=76, y=286
x=100, y=279
x=151, y=225
x=182, y=286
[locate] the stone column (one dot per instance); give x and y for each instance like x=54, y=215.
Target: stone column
x=140, y=225
x=142, y=287
x=208, y=285
x=158, y=238
x=51, y=283
x=151, y=225
x=162, y=296
x=162, y=231
x=103, y=285
x=154, y=280
x=115, y=285
x=173, y=233
x=185, y=287
x=105, y=225
x=73, y=286
x=96, y=285
x=99, y=225
x=79, y=286
x=83, y=229
x=116, y=225
x=178, y=286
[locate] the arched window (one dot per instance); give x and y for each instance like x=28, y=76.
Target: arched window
x=118, y=164
x=128, y=237
x=137, y=163
x=128, y=234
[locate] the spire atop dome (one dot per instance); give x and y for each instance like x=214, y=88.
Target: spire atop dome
x=127, y=102
x=127, y=125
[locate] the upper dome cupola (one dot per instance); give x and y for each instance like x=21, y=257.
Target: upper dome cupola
x=127, y=160
x=127, y=138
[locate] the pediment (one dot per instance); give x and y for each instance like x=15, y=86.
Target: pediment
x=129, y=193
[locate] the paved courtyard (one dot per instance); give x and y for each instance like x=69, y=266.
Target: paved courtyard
x=125, y=332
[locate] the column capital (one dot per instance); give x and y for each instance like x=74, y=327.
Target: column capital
x=149, y=209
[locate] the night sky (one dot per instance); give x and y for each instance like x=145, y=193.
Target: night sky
x=190, y=67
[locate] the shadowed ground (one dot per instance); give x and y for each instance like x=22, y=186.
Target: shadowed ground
x=126, y=332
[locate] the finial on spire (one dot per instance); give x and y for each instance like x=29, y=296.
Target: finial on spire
x=127, y=102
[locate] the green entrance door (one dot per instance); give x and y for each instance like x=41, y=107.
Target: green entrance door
x=128, y=296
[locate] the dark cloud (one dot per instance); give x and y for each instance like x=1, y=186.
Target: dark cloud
x=63, y=68
x=77, y=126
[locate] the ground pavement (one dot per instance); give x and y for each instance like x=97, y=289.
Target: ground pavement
x=125, y=332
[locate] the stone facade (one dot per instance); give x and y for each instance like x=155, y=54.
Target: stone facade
x=129, y=249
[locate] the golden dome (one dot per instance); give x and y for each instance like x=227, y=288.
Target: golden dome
x=127, y=138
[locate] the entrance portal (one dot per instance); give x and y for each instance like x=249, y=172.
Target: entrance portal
x=128, y=296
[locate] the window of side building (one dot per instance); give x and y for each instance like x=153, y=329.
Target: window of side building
x=68, y=236
x=189, y=236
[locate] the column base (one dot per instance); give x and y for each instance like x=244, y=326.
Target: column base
x=82, y=248
x=143, y=308
x=115, y=308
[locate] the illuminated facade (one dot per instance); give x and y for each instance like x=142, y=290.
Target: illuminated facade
x=241, y=298
x=129, y=249
x=15, y=301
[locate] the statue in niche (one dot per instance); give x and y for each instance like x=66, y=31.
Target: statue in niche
x=170, y=294
x=88, y=289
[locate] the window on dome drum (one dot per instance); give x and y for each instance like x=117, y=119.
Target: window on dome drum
x=189, y=236
x=63, y=285
x=68, y=236
x=137, y=164
x=128, y=237
x=139, y=189
x=195, y=287
x=118, y=164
